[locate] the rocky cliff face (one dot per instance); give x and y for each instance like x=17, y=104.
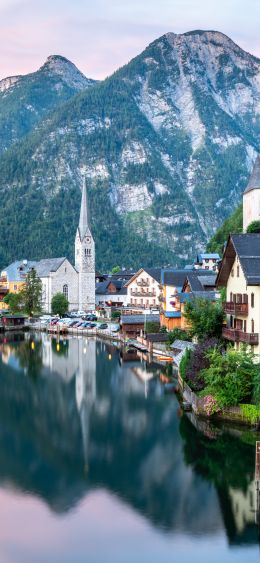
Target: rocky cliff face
x=26, y=100
x=167, y=143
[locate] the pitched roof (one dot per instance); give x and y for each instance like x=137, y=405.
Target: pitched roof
x=44, y=267
x=155, y=273
x=139, y=319
x=102, y=287
x=182, y=345
x=184, y=297
x=199, y=280
x=175, y=278
x=17, y=271
x=254, y=180
x=207, y=256
x=247, y=247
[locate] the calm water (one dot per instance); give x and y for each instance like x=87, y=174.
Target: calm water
x=97, y=464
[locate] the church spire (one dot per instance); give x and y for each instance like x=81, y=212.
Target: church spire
x=83, y=219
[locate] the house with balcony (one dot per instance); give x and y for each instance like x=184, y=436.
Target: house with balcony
x=111, y=293
x=207, y=261
x=240, y=274
x=144, y=289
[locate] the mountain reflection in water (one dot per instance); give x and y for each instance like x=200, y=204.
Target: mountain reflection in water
x=76, y=418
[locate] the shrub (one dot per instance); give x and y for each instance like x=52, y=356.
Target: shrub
x=210, y=405
x=199, y=361
x=254, y=227
x=251, y=413
x=59, y=304
x=229, y=377
x=184, y=363
x=152, y=327
x=256, y=387
x=177, y=334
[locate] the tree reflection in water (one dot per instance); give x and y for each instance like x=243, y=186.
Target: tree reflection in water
x=91, y=420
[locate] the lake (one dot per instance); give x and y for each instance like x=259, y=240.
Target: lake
x=99, y=464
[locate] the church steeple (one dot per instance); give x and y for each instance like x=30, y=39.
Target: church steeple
x=85, y=256
x=83, y=219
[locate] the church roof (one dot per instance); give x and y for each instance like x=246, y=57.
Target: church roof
x=254, y=180
x=44, y=267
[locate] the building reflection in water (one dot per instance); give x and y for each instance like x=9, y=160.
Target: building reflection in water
x=84, y=419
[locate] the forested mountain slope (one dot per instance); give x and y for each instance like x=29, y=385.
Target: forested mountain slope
x=167, y=144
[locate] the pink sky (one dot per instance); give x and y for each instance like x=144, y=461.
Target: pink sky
x=100, y=36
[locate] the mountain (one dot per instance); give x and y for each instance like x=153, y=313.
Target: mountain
x=26, y=100
x=167, y=143
x=233, y=224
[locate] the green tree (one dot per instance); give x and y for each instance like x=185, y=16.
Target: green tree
x=254, y=227
x=204, y=317
x=177, y=334
x=31, y=295
x=115, y=269
x=14, y=302
x=151, y=327
x=59, y=304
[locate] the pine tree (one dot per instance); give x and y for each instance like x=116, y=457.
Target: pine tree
x=32, y=293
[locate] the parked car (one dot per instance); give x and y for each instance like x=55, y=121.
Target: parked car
x=102, y=326
x=73, y=323
x=54, y=322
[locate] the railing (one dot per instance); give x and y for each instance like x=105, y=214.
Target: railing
x=137, y=293
x=142, y=283
x=236, y=335
x=3, y=287
x=236, y=308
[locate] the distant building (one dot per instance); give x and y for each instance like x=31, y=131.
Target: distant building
x=207, y=261
x=133, y=325
x=111, y=293
x=143, y=289
x=251, y=197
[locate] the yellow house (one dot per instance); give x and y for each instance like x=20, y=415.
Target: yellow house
x=240, y=274
x=12, y=279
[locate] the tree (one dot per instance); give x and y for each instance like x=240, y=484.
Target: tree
x=59, y=304
x=152, y=327
x=31, y=294
x=177, y=334
x=14, y=302
x=254, y=227
x=205, y=318
x=115, y=269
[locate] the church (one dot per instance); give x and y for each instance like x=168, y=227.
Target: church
x=76, y=282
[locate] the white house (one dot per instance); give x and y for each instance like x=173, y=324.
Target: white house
x=143, y=289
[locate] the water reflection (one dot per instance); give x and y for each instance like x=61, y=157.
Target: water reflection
x=75, y=417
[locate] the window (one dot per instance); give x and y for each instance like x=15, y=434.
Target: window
x=231, y=297
x=65, y=270
x=252, y=326
x=232, y=272
x=244, y=325
x=15, y=287
x=245, y=298
x=66, y=291
x=237, y=271
x=252, y=300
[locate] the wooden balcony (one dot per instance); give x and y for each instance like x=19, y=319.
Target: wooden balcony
x=137, y=293
x=236, y=308
x=143, y=283
x=236, y=335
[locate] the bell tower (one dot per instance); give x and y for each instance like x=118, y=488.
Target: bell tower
x=85, y=257
x=251, y=197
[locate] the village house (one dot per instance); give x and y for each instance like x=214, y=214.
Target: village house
x=178, y=286
x=111, y=293
x=143, y=289
x=240, y=274
x=207, y=261
x=133, y=325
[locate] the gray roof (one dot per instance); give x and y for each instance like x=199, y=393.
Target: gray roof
x=17, y=271
x=44, y=267
x=210, y=295
x=175, y=278
x=247, y=247
x=198, y=280
x=155, y=273
x=102, y=287
x=254, y=180
x=139, y=319
x=182, y=345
